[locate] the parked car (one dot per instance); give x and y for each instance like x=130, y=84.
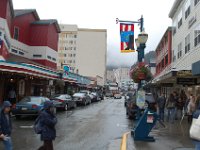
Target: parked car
x=66, y=101
x=130, y=103
x=117, y=96
x=101, y=95
x=96, y=97
x=82, y=98
x=109, y=94
x=30, y=106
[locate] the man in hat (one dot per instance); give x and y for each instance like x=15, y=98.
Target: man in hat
x=6, y=125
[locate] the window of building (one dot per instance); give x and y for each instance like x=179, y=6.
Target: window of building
x=37, y=55
x=74, y=55
x=65, y=55
x=179, y=50
x=16, y=33
x=66, y=48
x=187, y=43
x=166, y=60
x=74, y=61
x=196, y=2
x=21, y=53
x=53, y=59
x=74, y=48
x=187, y=9
x=180, y=19
x=66, y=35
x=14, y=50
x=49, y=57
x=174, y=24
x=0, y=33
x=197, y=36
x=75, y=36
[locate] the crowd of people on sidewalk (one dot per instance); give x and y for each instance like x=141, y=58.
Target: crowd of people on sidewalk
x=177, y=105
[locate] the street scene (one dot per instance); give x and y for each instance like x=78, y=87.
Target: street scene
x=85, y=75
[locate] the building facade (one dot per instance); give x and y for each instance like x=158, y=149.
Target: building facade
x=164, y=53
x=110, y=76
x=91, y=52
x=67, y=47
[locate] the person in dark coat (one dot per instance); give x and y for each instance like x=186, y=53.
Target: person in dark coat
x=6, y=125
x=161, y=106
x=48, y=122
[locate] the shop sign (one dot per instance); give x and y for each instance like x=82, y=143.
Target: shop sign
x=187, y=81
x=184, y=73
x=167, y=84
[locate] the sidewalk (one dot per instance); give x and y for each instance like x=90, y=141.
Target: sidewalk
x=172, y=137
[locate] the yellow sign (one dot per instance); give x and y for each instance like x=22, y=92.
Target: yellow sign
x=184, y=73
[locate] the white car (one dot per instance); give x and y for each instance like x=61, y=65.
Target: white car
x=117, y=96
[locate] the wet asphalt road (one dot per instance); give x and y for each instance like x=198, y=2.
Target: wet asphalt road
x=94, y=127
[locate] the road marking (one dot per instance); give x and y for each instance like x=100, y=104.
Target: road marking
x=26, y=127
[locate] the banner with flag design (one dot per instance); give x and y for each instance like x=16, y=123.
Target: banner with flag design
x=127, y=38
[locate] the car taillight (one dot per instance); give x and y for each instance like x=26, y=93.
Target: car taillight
x=34, y=106
x=60, y=100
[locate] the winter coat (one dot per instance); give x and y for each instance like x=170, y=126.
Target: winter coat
x=48, y=122
x=171, y=103
x=161, y=102
x=5, y=126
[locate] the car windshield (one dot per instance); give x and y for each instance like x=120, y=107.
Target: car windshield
x=35, y=100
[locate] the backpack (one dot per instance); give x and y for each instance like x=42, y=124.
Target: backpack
x=38, y=126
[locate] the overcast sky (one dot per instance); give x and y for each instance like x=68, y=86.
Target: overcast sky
x=101, y=14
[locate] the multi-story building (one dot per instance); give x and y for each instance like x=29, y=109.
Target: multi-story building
x=110, y=76
x=185, y=15
x=164, y=53
x=67, y=47
x=91, y=52
x=28, y=52
x=122, y=76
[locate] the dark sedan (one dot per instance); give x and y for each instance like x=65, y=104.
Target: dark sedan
x=82, y=98
x=66, y=101
x=130, y=103
x=30, y=106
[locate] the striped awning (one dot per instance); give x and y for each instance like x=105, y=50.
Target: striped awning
x=29, y=69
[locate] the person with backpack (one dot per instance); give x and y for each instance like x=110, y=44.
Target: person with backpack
x=161, y=106
x=6, y=125
x=47, y=121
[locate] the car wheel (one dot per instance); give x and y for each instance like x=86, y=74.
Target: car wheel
x=17, y=117
x=66, y=107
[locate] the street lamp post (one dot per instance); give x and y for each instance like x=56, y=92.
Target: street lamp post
x=140, y=41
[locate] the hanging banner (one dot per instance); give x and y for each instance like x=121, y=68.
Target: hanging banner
x=127, y=38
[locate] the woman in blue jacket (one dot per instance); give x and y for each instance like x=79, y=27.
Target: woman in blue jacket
x=48, y=121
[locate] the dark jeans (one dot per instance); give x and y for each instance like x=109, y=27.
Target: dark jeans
x=161, y=113
x=48, y=145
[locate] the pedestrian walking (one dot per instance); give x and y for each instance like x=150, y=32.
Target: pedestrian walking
x=161, y=106
x=12, y=96
x=6, y=125
x=180, y=104
x=48, y=121
x=170, y=105
x=191, y=108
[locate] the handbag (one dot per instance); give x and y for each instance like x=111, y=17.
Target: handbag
x=195, y=129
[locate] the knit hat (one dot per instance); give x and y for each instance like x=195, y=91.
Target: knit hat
x=6, y=104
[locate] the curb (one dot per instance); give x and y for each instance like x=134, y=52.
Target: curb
x=124, y=141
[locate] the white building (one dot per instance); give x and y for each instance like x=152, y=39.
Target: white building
x=92, y=52
x=185, y=15
x=110, y=76
x=68, y=47
x=122, y=77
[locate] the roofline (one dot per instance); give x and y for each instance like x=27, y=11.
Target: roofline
x=168, y=29
x=34, y=11
x=174, y=8
x=55, y=22
x=92, y=30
